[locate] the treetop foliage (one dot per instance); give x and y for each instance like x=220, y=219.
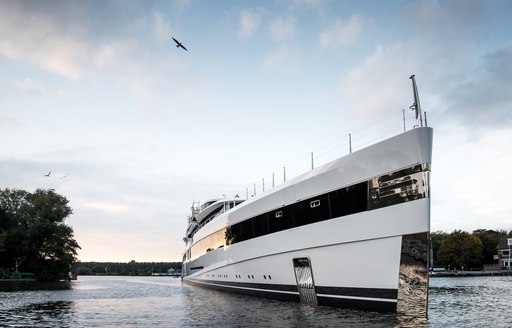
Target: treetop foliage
x=461, y=249
x=33, y=227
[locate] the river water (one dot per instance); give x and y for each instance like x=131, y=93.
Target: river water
x=166, y=302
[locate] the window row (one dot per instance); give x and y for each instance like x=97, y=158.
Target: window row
x=390, y=189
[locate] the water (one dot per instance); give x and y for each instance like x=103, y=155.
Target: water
x=165, y=302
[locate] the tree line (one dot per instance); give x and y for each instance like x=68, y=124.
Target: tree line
x=127, y=268
x=461, y=250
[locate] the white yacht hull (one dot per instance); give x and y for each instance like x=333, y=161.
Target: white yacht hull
x=359, y=260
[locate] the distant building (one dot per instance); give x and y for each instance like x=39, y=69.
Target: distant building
x=504, y=253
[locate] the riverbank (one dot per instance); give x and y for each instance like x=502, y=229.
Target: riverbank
x=471, y=273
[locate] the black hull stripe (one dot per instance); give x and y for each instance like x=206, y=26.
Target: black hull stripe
x=359, y=298
x=274, y=294
x=369, y=305
x=383, y=293
x=236, y=284
x=349, y=292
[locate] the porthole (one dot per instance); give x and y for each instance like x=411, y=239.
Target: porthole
x=269, y=277
x=265, y=277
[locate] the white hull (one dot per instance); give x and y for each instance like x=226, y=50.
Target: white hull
x=353, y=260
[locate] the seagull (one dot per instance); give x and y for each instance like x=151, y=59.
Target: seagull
x=64, y=176
x=178, y=44
x=47, y=175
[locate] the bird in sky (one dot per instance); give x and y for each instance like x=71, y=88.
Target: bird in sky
x=47, y=175
x=178, y=44
x=64, y=176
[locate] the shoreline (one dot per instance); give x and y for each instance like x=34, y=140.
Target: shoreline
x=471, y=273
x=13, y=285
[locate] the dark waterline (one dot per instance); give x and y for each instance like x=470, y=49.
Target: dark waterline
x=13, y=285
x=166, y=302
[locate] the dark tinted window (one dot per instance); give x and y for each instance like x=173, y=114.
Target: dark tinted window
x=260, y=225
x=311, y=210
x=349, y=200
x=280, y=219
x=246, y=227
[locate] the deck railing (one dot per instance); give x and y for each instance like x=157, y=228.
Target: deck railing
x=384, y=128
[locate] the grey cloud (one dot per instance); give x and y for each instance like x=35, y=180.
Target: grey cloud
x=445, y=21
x=65, y=37
x=483, y=98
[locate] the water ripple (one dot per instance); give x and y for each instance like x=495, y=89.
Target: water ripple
x=165, y=302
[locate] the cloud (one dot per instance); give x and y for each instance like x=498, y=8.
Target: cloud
x=445, y=21
x=161, y=27
x=482, y=97
x=78, y=39
x=276, y=57
x=108, y=207
x=341, y=33
x=380, y=85
x=471, y=90
x=283, y=56
x=10, y=123
x=116, y=55
x=43, y=38
x=452, y=184
x=29, y=85
x=309, y=3
x=283, y=29
x=249, y=23
x=180, y=4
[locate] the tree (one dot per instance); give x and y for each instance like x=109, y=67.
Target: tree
x=460, y=250
x=490, y=240
x=436, y=240
x=35, y=229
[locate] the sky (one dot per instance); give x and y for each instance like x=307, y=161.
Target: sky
x=134, y=129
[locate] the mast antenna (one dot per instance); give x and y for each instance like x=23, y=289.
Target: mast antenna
x=416, y=105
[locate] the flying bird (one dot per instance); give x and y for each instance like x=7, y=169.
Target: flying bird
x=178, y=44
x=64, y=176
x=47, y=175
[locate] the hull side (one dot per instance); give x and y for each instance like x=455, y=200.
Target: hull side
x=355, y=259
x=351, y=233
